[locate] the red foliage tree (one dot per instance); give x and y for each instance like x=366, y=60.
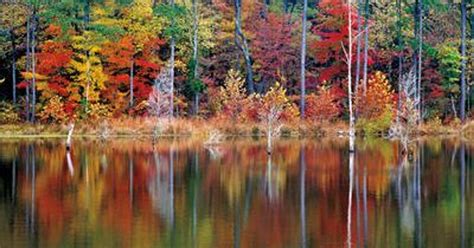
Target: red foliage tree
x=52, y=58
x=274, y=56
x=119, y=57
x=332, y=29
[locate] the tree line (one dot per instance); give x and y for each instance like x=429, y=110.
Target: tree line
x=83, y=60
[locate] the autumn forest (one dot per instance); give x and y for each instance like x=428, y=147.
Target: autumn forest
x=236, y=123
x=372, y=63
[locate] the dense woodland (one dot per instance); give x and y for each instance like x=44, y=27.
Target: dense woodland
x=370, y=62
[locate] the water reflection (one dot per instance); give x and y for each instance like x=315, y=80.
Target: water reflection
x=181, y=194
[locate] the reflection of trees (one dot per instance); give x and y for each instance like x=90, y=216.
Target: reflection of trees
x=408, y=190
x=351, y=182
x=161, y=186
x=462, y=158
x=303, y=196
x=274, y=180
x=31, y=161
x=136, y=196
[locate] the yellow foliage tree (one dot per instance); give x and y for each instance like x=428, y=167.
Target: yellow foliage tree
x=86, y=69
x=273, y=108
x=375, y=107
x=53, y=111
x=232, y=96
x=378, y=99
x=140, y=23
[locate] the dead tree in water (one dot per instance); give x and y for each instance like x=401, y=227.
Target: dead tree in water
x=272, y=126
x=405, y=128
x=272, y=106
x=160, y=101
x=348, y=57
x=69, y=136
x=160, y=98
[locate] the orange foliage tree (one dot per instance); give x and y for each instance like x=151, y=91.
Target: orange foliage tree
x=378, y=99
x=375, y=107
x=323, y=105
x=232, y=96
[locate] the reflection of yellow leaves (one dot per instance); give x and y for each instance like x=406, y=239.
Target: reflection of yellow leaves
x=91, y=188
x=205, y=233
x=233, y=183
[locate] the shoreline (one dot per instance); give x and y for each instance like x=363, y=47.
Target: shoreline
x=226, y=135
x=201, y=128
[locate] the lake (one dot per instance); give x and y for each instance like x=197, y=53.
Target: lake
x=180, y=193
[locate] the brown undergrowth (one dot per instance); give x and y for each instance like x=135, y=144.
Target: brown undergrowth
x=146, y=126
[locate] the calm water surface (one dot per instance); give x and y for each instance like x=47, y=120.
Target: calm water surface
x=125, y=193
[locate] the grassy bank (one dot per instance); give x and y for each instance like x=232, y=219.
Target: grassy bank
x=177, y=127
x=202, y=128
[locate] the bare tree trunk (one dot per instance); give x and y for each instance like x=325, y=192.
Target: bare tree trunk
x=470, y=89
x=195, y=53
x=172, y=62
x=400, y=58
x=453, y=107
x=69, y=136
x=415, y=34
x=172, y=77
x=33, y=66
x=359, y=29
x=28, y=65
x=462, y=110
x=12, y=38
x=131, y=83
x=366, y=44
x=241, y=42
x=420, y=51
x=349, y=81
x=303, y=59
